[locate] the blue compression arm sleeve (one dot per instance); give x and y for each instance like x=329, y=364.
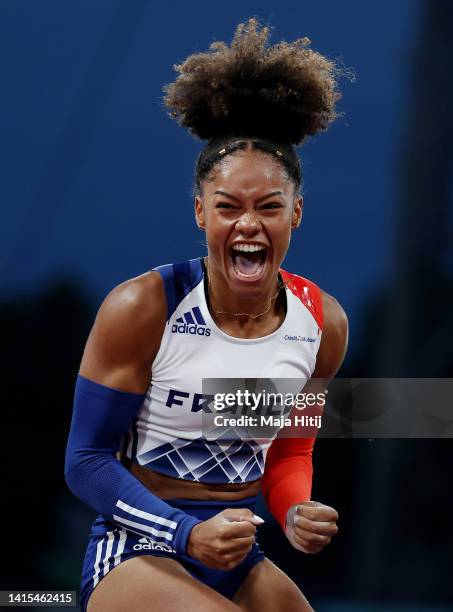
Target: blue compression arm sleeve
x=100, y=419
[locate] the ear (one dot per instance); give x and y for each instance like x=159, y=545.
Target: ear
x=297, y=212
x=199, y=213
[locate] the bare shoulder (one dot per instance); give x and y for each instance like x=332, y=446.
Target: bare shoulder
x=335, y=319
x=126, y=334
x=137, y=302
x=334, y=340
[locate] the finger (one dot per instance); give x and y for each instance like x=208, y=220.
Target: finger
x=222, y=559
x=321, y=527
x=237, y=529
x=317, y=513
x=231, y=561
x=308, y=547
x=311, y=537
x=235, y=545
x=243, y=542
x=238, y=550
x=242, y=514
x=238, y=514
x=301, y=541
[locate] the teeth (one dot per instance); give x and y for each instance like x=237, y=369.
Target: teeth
x=248, y=248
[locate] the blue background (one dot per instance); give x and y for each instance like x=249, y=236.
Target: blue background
x=97, y=183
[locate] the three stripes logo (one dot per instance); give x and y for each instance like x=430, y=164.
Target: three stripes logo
x=191, y=322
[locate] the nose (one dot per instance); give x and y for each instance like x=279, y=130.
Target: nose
x=248, y=223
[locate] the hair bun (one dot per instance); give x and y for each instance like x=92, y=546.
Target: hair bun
x=282, y=92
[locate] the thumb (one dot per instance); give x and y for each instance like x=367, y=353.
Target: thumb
x=242, y=514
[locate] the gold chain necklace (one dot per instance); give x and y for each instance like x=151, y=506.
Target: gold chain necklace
x=281, y=285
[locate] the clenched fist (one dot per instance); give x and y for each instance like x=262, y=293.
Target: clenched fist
x=224, y=540
x=310, y=526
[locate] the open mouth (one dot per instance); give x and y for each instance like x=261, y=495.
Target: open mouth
x=248, y=260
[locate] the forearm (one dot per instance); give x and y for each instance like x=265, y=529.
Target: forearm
x=101, y=416
x=288, y=475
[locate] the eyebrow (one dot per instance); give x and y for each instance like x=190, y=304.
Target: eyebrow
x=268, y=195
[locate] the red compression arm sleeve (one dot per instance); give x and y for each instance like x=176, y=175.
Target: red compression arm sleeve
x=287, y=475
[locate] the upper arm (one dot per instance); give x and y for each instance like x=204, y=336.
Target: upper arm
x=334, y=339
x=126, y=334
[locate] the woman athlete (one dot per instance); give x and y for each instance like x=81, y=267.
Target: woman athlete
x=177, y=528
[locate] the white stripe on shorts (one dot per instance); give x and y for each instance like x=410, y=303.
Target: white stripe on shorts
x=108, y=551
x=97, y=561
x=120, y=547
x=140, y=528
x=146, y=515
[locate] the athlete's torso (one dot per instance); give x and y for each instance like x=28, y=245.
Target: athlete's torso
x=167, y=436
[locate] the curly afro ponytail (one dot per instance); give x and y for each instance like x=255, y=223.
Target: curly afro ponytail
x=281, y=93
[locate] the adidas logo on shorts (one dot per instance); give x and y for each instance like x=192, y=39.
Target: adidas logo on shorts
x=147, y=544
x=192, y=322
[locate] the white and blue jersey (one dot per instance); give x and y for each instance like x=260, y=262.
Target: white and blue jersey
x=167, y=435
x=165, y=429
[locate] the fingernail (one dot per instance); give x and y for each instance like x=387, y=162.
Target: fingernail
x=258, y=518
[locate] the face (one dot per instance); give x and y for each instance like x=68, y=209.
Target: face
x=248, y=208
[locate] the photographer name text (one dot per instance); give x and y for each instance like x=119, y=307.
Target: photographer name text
x=222, y=420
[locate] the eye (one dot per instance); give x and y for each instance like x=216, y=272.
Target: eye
x=271, y=205
x=224, y=205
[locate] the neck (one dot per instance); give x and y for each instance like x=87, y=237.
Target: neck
x=227, y=306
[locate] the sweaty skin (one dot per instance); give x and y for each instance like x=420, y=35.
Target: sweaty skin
x=250, y=200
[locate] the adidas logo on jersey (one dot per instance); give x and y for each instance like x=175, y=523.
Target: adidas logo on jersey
x=192, y=322
x=147, y=544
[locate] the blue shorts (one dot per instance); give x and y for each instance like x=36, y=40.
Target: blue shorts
x=109, y=545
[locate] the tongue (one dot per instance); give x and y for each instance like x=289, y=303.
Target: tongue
x=247, y=265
